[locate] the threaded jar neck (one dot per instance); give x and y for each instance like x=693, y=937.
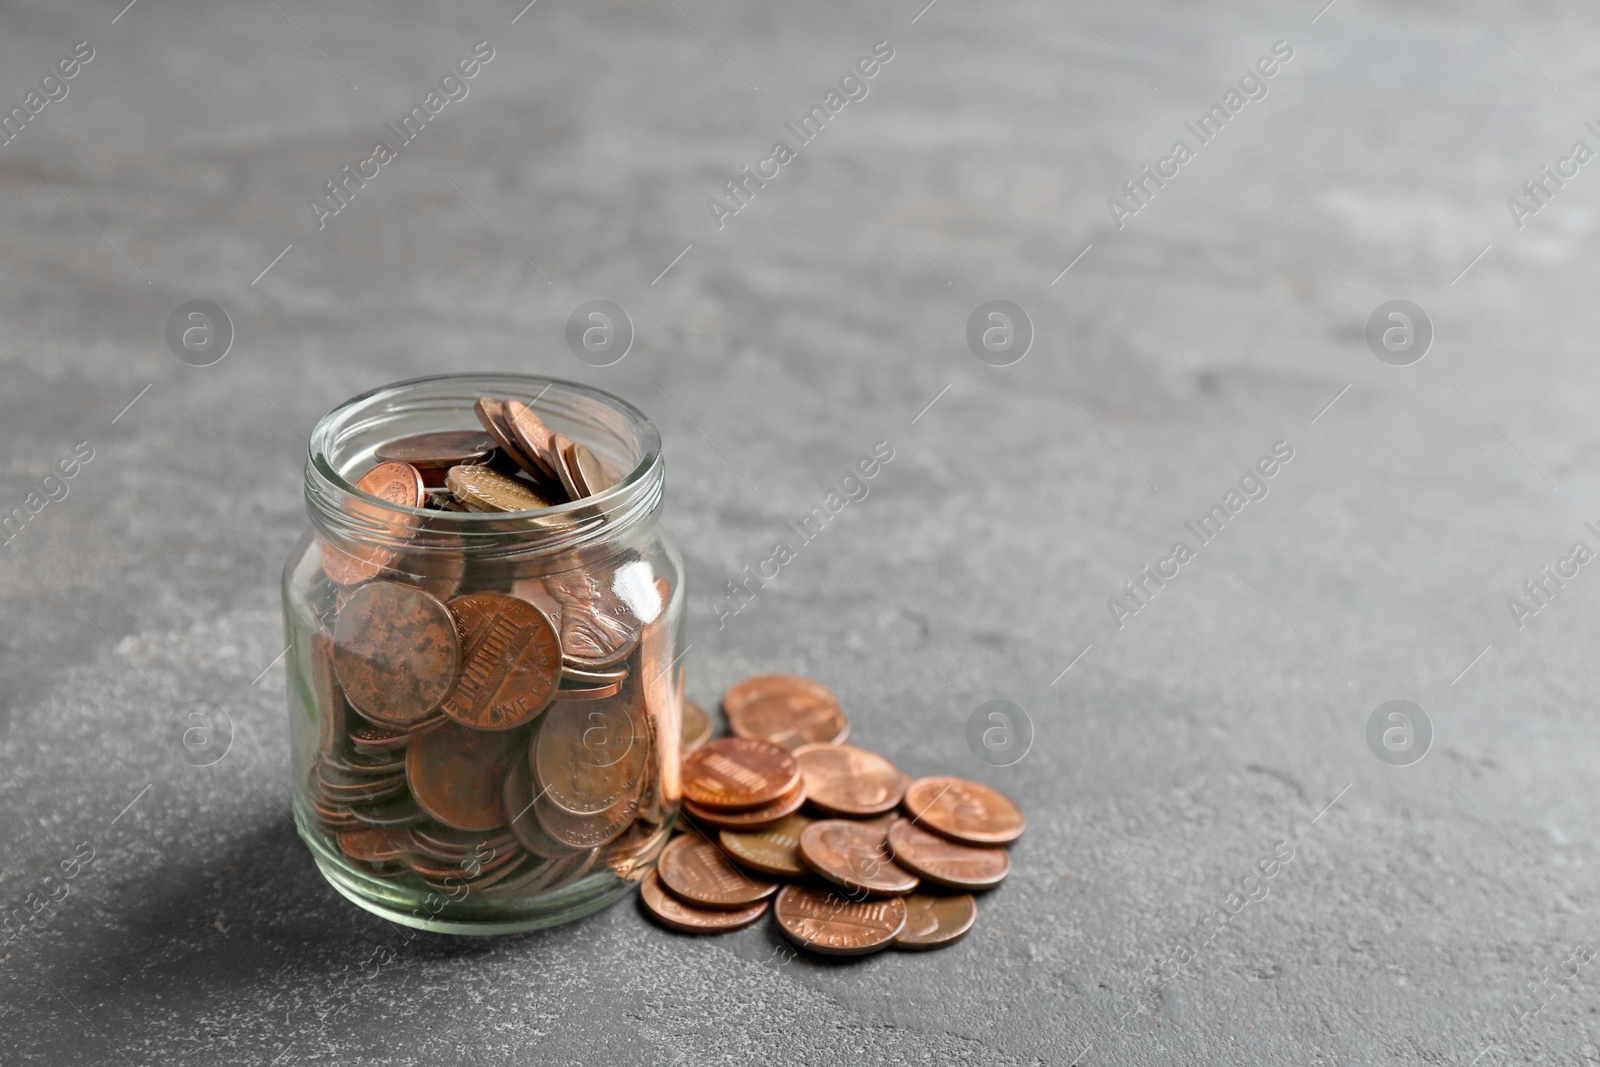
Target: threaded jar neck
x=343, y=444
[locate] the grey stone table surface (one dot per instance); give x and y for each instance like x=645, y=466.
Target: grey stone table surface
x=1431, y=911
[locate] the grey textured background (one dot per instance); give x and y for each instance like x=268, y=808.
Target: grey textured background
x=1178, y=751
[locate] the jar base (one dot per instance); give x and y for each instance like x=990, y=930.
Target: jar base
x=404, y=905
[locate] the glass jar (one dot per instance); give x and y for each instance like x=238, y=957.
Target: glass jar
x=552, y=798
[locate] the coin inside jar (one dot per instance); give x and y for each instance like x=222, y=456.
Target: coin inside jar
x=392, y=483
x=829, y=924
x=589, y=756
x=847, y=781
x=486, y=489
x=432, y=454
x=587, y=470
x=936, y=920
x=697, y=873
x=530, y=434
x=738, y=773
x=855, y=857
x=395, y=652
x=511, y=662
x=675, y=914
x=944, y=862
x=964, y=811
x=457, y=774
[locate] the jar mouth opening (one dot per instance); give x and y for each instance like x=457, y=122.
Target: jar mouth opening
x=341, y=448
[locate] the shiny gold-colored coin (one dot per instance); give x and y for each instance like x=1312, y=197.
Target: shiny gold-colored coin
x=486, y=489
x=849, y=782
x=697, y=873
x=673, y=913
x=774, y=851
x=964, y=811
x=855, y=857
x=944, y=862
x=936, y=920
x=785, y=710
x=829, y=924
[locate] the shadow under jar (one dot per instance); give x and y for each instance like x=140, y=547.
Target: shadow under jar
x=484, y=706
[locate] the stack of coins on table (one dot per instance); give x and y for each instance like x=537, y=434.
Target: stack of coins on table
x=872, y=859
x=502, y=741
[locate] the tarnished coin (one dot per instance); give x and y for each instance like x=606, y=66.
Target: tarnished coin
x=830, y=924
x=936, y=920
x=674, y=914
x=486, y=489
x=374, y=845
x=849, y=782
x=586, y=831
x=737, y=774
x=399, y=811
x=395, y=652
x=370, y=737
x=435, y=453
x=697, y=872
x=697, y=727
x=594, y=692
x=751, y=819
x=391, y=483
x=587, y=470
x=944, y=862
x=774, y=851
x=531, y=436
x=630, y=855
x=510, y=665
x=854, y=856
x=589, y=756
x=529, y=831
x=457, y=774
x=964, y=811
x=785, y=710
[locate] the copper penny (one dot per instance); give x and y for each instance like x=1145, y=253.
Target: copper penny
x=587, y=470
x=586, y=831
x=597, y=627
x=559, y=447
x=395, y=652
x=674, y=914
x=854, y=856
x=934, y=921
x=374, y=845
x=594, y=692
x=786, y=710
x=737, y=774
x=697, y=873
x=392, y=483
x=529, y=831
x=697, y=726
x=753, y=819
x=828, y=923
x=440, y=450
x=492, y=416
x=850, y=782
x=589, y=756
x=944, y=862
x=774, y=851
x=510, y=664
x=532, y=437
x=457, y=775
x=964, y=811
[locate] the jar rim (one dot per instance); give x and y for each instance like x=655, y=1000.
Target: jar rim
x=330, y=493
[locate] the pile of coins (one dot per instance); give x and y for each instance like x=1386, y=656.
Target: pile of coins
x=501, y=741
x=875, y=861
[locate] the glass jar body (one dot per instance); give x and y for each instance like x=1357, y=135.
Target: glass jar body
x=562, y=802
